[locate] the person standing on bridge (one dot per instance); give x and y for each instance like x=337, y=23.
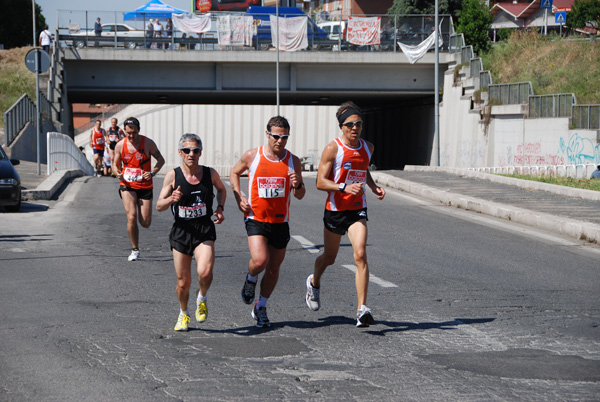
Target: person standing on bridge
x=343, y=173
x=188, y=191
x=98, y=143
x=273, y=173
x=132, y=165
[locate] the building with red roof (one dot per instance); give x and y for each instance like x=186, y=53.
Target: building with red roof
x=527, y=14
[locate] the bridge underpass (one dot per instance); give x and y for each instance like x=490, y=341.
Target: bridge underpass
x=397, y=97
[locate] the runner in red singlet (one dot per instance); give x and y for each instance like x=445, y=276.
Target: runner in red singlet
x=273, y=174
x=132, y=165
x=343, y=173
x=98, y=142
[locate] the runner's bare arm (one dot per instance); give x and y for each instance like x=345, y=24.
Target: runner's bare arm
x=168, y=195
x=116, y=162
x=296, y=180
x=234, y=179
x=221, y=195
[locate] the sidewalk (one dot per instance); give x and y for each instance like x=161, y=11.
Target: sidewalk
x=42, y=186
x=558, y=209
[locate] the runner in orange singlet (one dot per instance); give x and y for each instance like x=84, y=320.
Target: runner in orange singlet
x=343, y=173
x=98, y=142
x=132, y=165
x=273, y=174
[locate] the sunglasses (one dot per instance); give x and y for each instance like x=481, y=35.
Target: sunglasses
x=276, y=137
x=351, y=124
x=132, y=122
x=194, y=151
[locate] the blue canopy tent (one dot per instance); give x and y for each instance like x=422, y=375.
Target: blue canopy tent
x=153, y=9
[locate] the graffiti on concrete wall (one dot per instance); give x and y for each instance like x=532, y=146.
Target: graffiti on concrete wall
x=531, y=154
x=580, y=150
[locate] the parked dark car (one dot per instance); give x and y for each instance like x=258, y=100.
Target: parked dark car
x=10, y=183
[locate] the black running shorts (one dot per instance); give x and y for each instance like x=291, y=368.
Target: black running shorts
x=142, y=194
x=186, y=236
x=339, y=221
x=277, y=234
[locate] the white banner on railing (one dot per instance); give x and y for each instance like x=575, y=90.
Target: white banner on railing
x=235, y=30
x=364, y=30
x=293, y=33
x=192, y=23
x=414, y=53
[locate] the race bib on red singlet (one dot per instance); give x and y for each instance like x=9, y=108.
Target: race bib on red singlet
x=100, y=141
x=356, y=176
x=271, y=187
x=132, y=175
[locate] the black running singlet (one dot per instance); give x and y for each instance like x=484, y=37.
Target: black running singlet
x=197, y=200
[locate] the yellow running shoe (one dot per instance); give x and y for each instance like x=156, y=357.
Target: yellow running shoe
x=182, y=322
x=201, y=311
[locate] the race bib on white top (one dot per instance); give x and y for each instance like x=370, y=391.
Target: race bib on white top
x=271, y=187
x=356, y=176
x=192, y=212
x=113, y=137
x=132, y=175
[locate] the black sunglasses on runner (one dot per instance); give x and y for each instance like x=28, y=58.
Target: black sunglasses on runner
x=194, y=151
x=277, y=137
x=351, y=124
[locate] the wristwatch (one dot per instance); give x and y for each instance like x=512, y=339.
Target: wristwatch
x=152, y=173
x=299, y=186
x=342, y=187
x=220, y=206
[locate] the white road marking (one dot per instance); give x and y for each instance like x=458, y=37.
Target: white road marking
x=373, y=278
x=307, y=245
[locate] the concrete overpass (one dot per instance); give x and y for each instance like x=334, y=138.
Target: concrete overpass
x=398, y=97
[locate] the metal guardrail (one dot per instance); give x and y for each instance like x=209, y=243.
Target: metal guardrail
x=15, y=118
x=476, y=66
x=510, y=94
x=63, y=154
x=586, y=117
x=555, y=105
x=75, y=29
x=466, y=54
x=485, y=79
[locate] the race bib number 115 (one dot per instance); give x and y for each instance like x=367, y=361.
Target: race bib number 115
x=271, y=187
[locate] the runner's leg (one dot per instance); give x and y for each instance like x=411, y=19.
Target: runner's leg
x=331, y=246
x=357, y=233
x=183, y=265
x=130, y=204
x=205, y=257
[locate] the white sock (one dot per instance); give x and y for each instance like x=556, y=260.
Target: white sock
x=184, y=312
x=201, y=298
x=252, y=278
x=262, y=302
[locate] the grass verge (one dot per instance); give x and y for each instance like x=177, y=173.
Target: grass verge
x=585, y=184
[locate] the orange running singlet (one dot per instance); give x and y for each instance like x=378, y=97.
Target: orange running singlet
x=134, y=165
x=269, y=188
x=98, y=138
x=350, y=166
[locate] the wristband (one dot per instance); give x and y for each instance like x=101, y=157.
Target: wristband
x=153, y=173
x=299, y=186
x=220, y=206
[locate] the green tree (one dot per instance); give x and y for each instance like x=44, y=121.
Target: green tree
x=584, y=12
x=16, y=23
x=402, y=7
x=474, y=22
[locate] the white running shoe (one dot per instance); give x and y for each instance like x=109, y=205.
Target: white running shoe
x=313, y=301
x=135, y=254
x=364, y=317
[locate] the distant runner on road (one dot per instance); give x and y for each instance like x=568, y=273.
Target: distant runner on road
x=132, y=165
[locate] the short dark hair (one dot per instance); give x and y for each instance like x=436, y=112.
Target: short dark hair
x=278, y=121
x=133, y=121
x=345, y=106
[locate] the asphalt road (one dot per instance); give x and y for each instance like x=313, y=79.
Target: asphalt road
x=467, y=308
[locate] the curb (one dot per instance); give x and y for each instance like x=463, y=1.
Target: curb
x=526, y=184
x=49, y=187
x=568, y=227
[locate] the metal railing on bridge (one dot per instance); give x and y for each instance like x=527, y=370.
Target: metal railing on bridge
x=510, y=94
x=22, y=112
x=75, y=29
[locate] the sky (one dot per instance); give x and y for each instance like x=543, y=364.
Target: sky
x=50, y=7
